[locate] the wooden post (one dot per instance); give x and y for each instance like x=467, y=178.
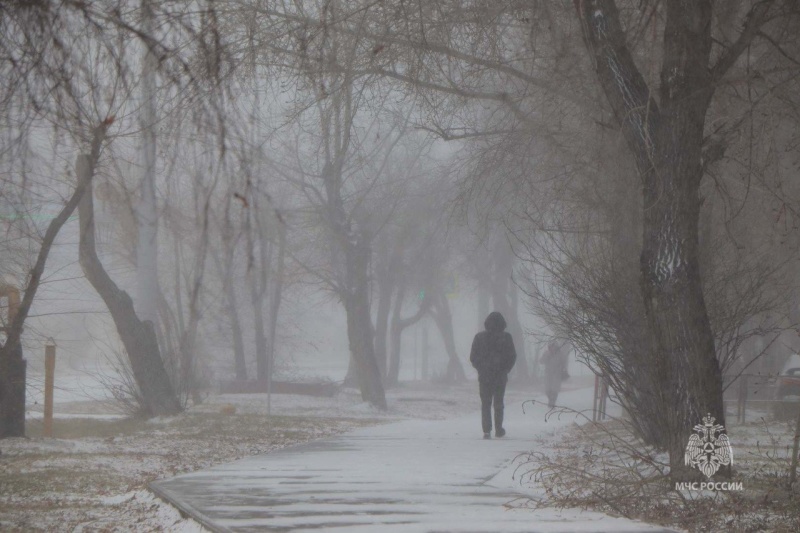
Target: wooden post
x=12, y=375
x=603, y=397
x=795, y=452
x=741, y=403
x=49, y=378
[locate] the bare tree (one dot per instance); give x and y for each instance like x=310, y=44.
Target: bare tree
x=137, y=336
x=73, y=86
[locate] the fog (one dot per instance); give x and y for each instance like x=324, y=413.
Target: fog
x=205, y=205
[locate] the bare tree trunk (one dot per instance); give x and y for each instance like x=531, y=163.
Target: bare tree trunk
x=147, y=215
x=12, y=363
x=275, y=302
x=259, y=279
x=359, y=323
x=138, y=337
x=399, y=324
x=444, y=322
x=395, y=338
x=225, y=269
x=168, y=335
x=231, y=305
x=666, y=138
x=386, y=285
x=12, y=391
x=189, y=381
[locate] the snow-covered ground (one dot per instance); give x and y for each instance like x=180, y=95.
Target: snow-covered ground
x=94, y=473
x=409, y=476
x=93, y=476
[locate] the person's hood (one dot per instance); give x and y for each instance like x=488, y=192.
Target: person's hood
x=495, y=322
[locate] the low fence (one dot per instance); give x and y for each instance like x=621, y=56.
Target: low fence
x=757, y=393
x=748, y=392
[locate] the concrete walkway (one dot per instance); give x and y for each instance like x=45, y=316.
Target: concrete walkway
x=408, y=476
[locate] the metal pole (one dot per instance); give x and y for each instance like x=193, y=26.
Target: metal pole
x=425, y=353
x=49, y=378
x=269, y=382
x=416, y=334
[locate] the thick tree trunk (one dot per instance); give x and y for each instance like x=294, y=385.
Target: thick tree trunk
x=12, y=391
x=359, y=323
x=666, y=139
x=680, y=330
x=138, y=337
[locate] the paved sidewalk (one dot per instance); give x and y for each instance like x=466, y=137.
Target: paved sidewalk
x=408, y=476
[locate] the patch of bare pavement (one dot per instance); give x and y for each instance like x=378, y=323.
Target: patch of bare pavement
x=408, y=476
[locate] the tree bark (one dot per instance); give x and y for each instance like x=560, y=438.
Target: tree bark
x=138, y=337
x=12, y=391
x=666, y=141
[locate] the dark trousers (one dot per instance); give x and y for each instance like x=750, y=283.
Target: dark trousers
x=492, y=391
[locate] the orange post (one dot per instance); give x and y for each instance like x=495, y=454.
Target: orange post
x=49, y=379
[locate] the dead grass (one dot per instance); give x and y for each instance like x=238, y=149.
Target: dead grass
x=74, y=480
x=602, y=467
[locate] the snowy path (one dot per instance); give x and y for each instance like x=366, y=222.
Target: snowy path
x=408, y=476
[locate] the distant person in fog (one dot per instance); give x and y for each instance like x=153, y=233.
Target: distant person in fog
x=493, y=356
x=555, y=369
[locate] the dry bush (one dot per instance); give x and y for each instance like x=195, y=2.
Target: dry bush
x=604, y=467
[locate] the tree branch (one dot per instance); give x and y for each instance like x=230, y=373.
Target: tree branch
x=15, y=331
x=754, y=20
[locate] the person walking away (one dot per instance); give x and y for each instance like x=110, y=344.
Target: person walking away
x=555, y=369
x=493, y=356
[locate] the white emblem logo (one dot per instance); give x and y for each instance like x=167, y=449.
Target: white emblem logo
x=709, y=448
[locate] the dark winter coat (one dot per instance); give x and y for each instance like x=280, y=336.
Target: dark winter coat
x=493, y=354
